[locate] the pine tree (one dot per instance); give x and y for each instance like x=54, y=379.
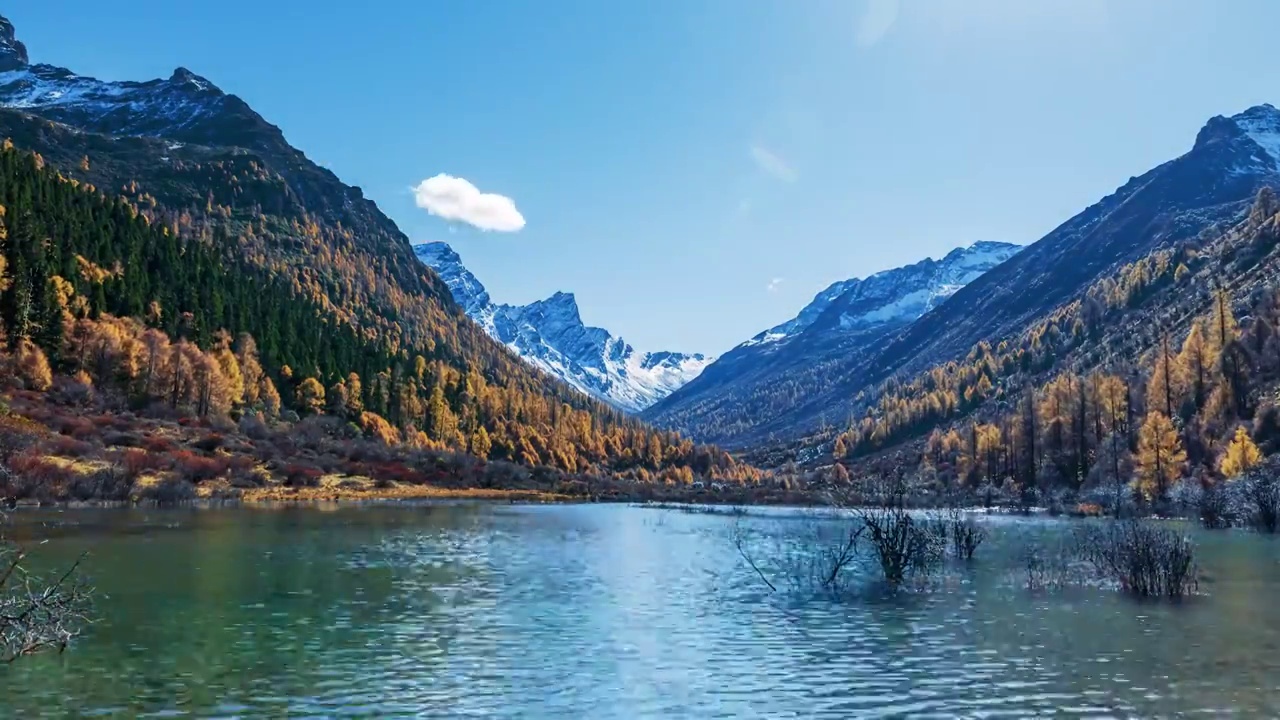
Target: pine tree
x=1160, y=456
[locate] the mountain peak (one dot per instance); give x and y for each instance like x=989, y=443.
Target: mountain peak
x=903, y=293
x=183, y=76
x=13, y=54
x=1263, y=110
x=561, y=304
x=1259, y=125
x=562, y=298
x=437, y=252
x=550, y=335
x=981, y=252
x=465, y=288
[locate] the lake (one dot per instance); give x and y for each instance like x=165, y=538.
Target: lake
x=609, y=611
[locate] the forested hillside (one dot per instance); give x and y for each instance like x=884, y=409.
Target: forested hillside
x=1163, y=370
x=166, y=221
x=175, y=309
x=1210, y=185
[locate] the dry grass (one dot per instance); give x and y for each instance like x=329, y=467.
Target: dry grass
x=336, y=487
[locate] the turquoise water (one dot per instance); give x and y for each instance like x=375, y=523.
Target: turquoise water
x=608, y=612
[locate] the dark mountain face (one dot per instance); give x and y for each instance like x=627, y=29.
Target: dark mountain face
x=184, y=109
x=13, y=54
x=186, y=143
x=848, y=319
x=1210, y=185
x=256, y=237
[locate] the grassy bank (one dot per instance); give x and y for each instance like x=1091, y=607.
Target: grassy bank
x=74, y=450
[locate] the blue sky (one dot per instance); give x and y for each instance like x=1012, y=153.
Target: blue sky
x=696, y=170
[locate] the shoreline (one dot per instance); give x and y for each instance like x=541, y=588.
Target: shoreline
x=277, y=496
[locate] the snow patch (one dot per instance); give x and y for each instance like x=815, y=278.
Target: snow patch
x=550, y=335
x=1262, y=125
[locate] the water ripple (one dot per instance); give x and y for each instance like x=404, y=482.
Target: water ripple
x=601, y=612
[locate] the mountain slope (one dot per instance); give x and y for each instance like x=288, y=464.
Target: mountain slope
x=200, y=165
x=1184, y=339
x=550, y=334
x=848, y=318
x=1212, y=184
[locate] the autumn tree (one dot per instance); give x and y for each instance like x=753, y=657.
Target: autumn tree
x=354, y=396
x=270, y=396
x=1160, y=456
x=481, y=445
x=310, y=396
x=1241, y=455
x=1164, y=390
x=1197, y=361
x=250, y=367
x=33, y=366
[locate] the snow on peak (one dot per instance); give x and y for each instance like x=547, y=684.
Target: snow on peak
x=183, y=76
x=185, y=107
x=1261, y=123
x=896, y=295
x=550, y=335
x=466, y=289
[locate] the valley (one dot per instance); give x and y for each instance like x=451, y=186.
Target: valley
x=269, y=448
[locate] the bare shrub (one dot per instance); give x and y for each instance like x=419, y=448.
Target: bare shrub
x=818, y=561
x=115, y=438
x=298, y=476
x=36, y=612
x=902, y=544
x=196, y=468
x=250, y=477
x=67, y=447
x=111, y=483
x=209, y=442
x=253, y=426
x=966, y=533
x=1049, y=565
x=1261, y=496
x=38, y=477
x=1216, y=506
x=1042, y=572
x=1143, y=558
x=168, y=491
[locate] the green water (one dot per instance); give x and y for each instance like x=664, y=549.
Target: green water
x=608, y=612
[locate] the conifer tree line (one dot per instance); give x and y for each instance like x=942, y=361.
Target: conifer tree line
x=174, y=313
x=1116, y=408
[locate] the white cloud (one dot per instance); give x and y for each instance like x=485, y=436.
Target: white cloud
x=773, y=284
x=456, y=199
x=772, y=163
x=876, y=22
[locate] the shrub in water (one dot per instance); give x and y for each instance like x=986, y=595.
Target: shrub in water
x=1144, y=558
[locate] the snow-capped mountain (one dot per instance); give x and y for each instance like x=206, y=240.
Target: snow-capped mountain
x=550, y=334
x=894, y=296
x=790, y=386
x=184, y=108
x=848, y=318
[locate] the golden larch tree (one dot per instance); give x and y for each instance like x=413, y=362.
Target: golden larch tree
x=1164, y=393
x=310, y=395
x=1241, y=455
x=1160, y=456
